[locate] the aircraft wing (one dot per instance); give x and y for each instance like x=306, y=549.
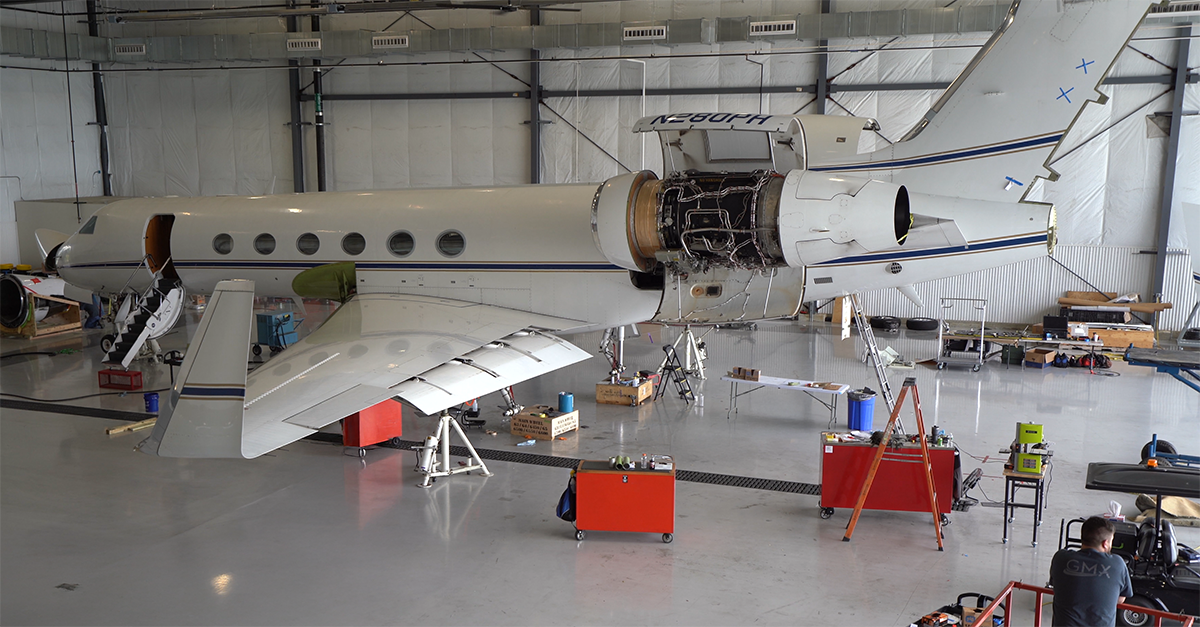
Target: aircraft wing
x=431, y=352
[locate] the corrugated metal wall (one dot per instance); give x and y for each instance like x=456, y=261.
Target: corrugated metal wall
x=1024, y=292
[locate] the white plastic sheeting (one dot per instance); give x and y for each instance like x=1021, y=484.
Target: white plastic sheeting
x=35, y=135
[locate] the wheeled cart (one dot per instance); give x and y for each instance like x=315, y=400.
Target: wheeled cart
x=963, y=350
x=899, y=484
x=637, y=500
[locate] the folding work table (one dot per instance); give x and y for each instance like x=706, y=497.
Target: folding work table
x=800, y=385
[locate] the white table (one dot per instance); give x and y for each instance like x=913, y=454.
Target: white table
x=800, y=385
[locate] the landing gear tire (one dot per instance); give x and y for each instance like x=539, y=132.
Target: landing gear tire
x=826, y=513
x=107, y=342
x=1163, y=447
x=580, y=535
x=667, y=538
x=1133, y=618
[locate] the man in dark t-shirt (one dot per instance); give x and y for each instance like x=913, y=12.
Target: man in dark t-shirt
x=1089, y=583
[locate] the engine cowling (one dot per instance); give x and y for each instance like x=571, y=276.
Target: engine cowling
x=747, y=221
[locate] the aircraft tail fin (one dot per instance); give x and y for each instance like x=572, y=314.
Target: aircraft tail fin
x=203, y=417
x=995, y=128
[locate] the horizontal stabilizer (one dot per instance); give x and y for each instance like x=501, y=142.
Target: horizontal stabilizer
x=205, y=413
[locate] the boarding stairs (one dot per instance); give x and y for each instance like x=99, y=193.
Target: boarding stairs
x=154, y=312
x=868, y=336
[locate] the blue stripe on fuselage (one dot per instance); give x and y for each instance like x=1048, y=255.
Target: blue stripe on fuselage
x=936, y=252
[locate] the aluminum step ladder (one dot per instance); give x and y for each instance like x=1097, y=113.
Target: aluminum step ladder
x=868, y=336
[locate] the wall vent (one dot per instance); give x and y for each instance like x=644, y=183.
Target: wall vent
x=383, y=42
x=781, y=27
x=303, y=45
x=645, y=33
x=129, y=49
x=1174, y=9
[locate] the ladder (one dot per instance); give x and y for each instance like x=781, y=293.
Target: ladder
x=910, y=383
x=868, y=336
x=672, y=367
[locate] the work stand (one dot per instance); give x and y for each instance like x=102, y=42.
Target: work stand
x=910, y=383
x=434, y=457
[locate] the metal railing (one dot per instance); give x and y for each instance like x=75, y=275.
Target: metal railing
x=1005, y=598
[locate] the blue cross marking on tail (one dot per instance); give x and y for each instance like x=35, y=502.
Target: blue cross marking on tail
x=1083, y=66
x=1063, y=94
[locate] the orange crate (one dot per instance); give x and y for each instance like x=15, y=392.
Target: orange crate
x=121, y=379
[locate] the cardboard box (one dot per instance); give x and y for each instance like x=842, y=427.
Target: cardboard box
x=1039, y=357
x=746, y=374
x=624, y=393
x=543, y=422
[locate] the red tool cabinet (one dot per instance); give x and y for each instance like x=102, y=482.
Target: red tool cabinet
x=375, y=424
x=624, y=500
x=899, y=484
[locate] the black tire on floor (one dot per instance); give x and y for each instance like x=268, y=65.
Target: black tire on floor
x=1163, y=447
x=921, y=324
x=885, y=323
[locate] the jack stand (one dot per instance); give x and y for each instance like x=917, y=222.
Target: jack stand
x=438, y=445
x=694, y=350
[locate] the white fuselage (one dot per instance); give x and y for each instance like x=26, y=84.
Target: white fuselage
x=528, y=248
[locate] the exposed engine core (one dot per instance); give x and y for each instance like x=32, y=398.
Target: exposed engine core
x=693, y=222
x=725, y=220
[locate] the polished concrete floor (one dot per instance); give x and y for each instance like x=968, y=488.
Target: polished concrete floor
x=92, y=532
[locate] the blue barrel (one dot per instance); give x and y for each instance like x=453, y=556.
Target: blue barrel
x=566, y=402
x=151, y=399
x=861, y=409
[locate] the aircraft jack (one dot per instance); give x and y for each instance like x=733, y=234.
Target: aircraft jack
x=693, y=350
x=434, y=457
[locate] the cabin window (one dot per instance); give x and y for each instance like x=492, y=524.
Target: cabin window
x=451, y=243
x=264, y=244
x=401, y=243
x=223, y=244
x=354, y=244
x=88, y=227
x=308, y=244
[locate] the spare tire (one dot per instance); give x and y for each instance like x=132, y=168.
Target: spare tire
x=885, y=323
x=921, y=324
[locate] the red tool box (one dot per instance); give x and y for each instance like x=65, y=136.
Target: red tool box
x=121, y=379
x=373, y=425
x=899, y=484
x=634, y=500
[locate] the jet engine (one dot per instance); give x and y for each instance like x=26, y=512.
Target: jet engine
x=692, y=222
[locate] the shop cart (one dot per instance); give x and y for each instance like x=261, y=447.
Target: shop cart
x=636, y=500
x=962, y=349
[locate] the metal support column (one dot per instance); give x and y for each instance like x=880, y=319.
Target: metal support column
x=293, y=26
x=318, y=112
x=1170, y=165
x=535, y=104
x=101, y=108
x=823, y=65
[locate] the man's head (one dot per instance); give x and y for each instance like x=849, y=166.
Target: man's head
x=1097, y=533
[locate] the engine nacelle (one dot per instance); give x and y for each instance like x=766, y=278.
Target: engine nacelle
x=745, y=221
x=823, y=217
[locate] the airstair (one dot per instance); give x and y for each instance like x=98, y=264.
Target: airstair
x=143, y=318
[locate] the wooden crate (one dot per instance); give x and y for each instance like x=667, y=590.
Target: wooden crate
x=617, y=394
x=543, y=422
x=69, y=319
x=1120, y=339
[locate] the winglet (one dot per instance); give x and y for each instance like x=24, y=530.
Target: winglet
x=204, y=415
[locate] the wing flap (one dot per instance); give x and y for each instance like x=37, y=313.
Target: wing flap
x=495, y=365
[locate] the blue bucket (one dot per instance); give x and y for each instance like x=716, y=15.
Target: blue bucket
x=151, y=399
x=566, y=402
